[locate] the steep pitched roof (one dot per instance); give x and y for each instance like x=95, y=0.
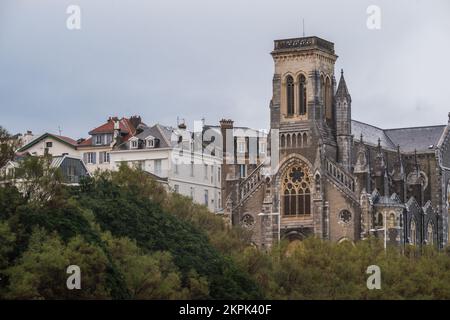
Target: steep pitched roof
x=108, y=127
x=66, y=140
x=371, y=134
x=421, y=139
x=342, y=90
x=159, y=132
x=417, y=138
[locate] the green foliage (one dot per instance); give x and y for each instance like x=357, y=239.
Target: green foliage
x=316, y=269
x=132, y=239
x=8, y=146
x=122, y=220
x=124, y=212
x=41, y=271
x=38, y=181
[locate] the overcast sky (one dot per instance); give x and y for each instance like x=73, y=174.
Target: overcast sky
x=190, y=58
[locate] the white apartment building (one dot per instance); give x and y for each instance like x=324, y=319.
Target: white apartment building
x=166, y=153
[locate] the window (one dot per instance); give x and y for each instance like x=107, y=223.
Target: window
x=176, y=188
x=290, y=95
x=158, y=166
x=89, y=157
x=150, y=143
x=302, y=94
x=206, y=197
x=248, y=221
x=391, y=221
x=176, y=166
x=98, y=139
x=296, y=194
x=108, y=138
x=241, y=147
x=413, y=233
x=71, y=174
x=134, y=144
x=345, y=216
x=262, y=147
x=328, y=100
x=242, y=171
x=430, y=233
x=49, y=144
x=103, y=157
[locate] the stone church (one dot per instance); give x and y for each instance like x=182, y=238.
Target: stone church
x=333, y=177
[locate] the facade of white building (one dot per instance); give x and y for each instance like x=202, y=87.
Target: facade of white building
x=165, y=152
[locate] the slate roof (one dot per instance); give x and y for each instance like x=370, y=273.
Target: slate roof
x=418, y=138
x=342, y=89
x=371, y=134
x=162, y=133
x=421, y=139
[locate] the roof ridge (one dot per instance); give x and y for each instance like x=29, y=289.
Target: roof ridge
x=417, y=127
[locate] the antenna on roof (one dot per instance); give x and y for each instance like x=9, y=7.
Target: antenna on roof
x=59, y=130
x=303, y=22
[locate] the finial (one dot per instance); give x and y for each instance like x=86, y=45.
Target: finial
x=398, y=149
x=342, y=72
x=361, y=138
x=379, y=142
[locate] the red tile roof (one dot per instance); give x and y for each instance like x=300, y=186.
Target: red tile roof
x=126, y=128
x=108, y=127
x=68, y=140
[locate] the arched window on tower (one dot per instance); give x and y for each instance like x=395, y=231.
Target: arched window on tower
x=290, y=95
x=296, y=192
x=302, y=94
x=322, y=92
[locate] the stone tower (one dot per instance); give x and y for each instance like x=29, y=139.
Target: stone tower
x=302, y=102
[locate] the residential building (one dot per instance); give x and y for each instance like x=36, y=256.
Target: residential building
x=166, y=153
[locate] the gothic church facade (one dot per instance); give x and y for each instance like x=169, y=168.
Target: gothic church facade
x=337, y=178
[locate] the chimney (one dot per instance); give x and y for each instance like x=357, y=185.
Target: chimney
x=182, y=125
x=226, y=124
x=135, y=121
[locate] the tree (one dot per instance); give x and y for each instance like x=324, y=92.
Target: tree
x=40, y=273
x=8, y=146
x=38, y=180
x=148, y=276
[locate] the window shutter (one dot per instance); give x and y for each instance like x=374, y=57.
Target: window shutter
x=85, y=158
x=94, y=155
x=100, y=157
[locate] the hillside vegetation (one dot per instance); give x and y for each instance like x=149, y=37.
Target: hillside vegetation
x=133, y=240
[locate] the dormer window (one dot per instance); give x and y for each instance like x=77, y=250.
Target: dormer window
x=150, y=142
x=98, y=139
x=134, y=143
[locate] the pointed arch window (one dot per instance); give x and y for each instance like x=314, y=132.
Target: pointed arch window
x=413, y=233
x=302, y=94
x=296, y=192
x=290, y=95
x=328, y=100
x=430, y=234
